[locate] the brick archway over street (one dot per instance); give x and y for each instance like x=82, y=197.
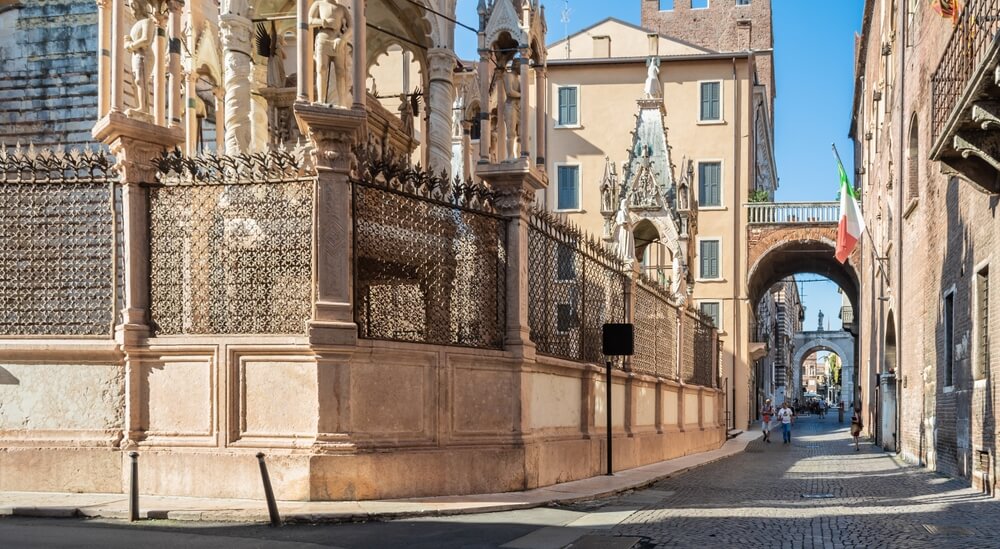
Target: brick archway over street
x=785, y=239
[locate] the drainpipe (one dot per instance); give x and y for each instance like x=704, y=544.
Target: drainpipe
x=737, y=280
x=899, y=230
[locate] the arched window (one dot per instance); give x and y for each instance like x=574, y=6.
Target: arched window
x=913, y=160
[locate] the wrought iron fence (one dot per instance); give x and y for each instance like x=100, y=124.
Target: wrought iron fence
x=57, y=243
x=575, y=286
x=430, y=256
x=655, y=319
x=230, y=245
x=698, y=364
x=975, y=31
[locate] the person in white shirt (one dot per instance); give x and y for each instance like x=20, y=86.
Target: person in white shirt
x=785, y=415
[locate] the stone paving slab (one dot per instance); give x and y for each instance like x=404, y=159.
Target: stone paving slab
x=115, y=506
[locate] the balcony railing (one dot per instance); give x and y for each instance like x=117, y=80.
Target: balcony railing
x=787, y=213
x=847, y=316
x=975, y=30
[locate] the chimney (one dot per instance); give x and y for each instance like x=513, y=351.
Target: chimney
x=654, y=44
x=602, y=46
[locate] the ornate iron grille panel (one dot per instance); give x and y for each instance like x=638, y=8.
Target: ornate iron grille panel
x=430, y=256
x=575, y=286
x=57, y=243
x=655, y=328
x=231, y=245
x=698, y=349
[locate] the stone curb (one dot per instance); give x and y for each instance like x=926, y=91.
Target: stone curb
x=247, y=516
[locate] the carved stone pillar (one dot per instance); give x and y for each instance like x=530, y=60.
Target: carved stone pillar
x=541, y=112
x=516, y=182
x=360, y=69
x=136, y=145
x=484, y=110
x=191, y=113
x=259, y=134
x=440, y=98
x=523, y=139
x=466, y=149
x=117, y=55
x=303, y=47
x=236, y=47
x=174, y=50
x=104, y=57
x=159, y=72
x=333, y=132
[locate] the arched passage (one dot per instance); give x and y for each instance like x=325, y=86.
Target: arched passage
x=839, y=343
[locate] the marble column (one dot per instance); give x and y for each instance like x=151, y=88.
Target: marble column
x=104, y=59
x=360, y=68
x=303, y=60
x=118, y=32
x=440, y=98
x=484, y=110
x=541, y=115
x=159, y=72
x=174, y=49
x=524, y=141
x=236, y=47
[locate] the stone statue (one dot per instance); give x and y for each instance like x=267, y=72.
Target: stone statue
x=652, y=87
x=332, y=21
x=494, y=133
x=512, y=107
x=139, y=42
x=406, y=114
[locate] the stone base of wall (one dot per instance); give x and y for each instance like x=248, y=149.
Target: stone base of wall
x=374, y=421
x=375, y=475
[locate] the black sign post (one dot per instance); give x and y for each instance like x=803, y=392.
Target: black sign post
x=616, y=340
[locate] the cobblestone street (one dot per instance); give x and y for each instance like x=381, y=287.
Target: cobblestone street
x=816, y=492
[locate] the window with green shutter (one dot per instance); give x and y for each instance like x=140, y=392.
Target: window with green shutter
x=708, y=257
x=568, y=187
x=568, y=115
x=709, y=184
x=711, y=101
x=711, y=310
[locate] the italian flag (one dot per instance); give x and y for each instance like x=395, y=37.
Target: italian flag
x=851, y=223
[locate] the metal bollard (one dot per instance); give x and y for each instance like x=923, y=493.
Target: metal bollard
x=272, y=506
x=133, y=490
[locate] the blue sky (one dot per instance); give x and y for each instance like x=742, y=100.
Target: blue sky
x=814, y=68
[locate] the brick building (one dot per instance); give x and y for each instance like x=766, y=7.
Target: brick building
x=923, y=124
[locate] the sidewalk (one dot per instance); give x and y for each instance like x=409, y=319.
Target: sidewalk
x=115, y=506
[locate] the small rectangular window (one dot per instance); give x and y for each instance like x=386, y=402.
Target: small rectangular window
x=709, y=184
x=708, y=259
x=568, y=187
x=983, y=319
x=699, y=4
x=949, y=340
x=712, y=309
x=666, y=5
x=565, y=263
x=711, y=101
x=742, y=2
x=568, y=115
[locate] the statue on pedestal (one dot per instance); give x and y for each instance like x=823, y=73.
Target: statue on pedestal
x=512, y=107
x=139, y=42
x=652, y=87
x=332, y=21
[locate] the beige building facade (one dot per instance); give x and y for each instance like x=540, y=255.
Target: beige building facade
x=608, y=86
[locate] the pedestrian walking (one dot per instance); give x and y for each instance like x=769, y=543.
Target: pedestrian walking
x=822, y=409
x=786, y=415
x=856, y=429
x=766, y=413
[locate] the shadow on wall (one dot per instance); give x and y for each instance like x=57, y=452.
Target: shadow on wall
x=7, y=378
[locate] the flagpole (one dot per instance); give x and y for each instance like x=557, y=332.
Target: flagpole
x=868, y=230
